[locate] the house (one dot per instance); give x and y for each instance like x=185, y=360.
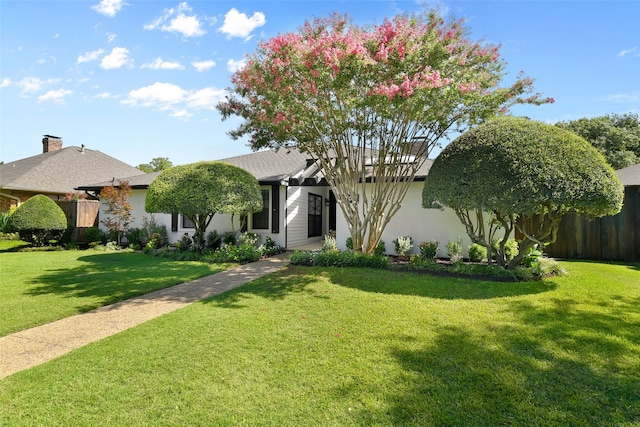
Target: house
x=299, y=207
x=56, y=172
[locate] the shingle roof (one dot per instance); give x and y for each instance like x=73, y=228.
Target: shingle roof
x=61, y=171
x=629, y=175
x=271, y=165
x=286, y=165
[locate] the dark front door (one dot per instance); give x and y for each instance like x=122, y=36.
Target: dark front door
x=315, y=215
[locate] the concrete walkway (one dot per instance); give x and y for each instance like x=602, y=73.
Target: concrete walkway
x=32, y=347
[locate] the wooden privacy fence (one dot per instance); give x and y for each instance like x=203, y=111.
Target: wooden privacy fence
x=81, y=214
x=608, y=238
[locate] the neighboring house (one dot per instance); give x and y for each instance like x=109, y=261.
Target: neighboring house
x=56, y=172
x=299, y=208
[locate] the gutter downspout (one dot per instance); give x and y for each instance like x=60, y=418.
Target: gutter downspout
x=9, y=196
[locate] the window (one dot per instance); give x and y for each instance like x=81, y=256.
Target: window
x=315, y=215
x=260, y=220
x=187, y=223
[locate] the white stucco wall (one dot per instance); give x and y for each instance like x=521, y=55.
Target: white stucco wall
x=415, y=221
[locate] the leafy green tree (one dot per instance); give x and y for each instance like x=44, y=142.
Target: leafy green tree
x=200, y=190
x=119, y=210
x=514, y=167
x=157, y=164
x=616, y=136
x=39, y=220
x=369, y=103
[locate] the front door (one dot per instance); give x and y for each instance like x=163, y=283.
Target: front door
x=315, y=215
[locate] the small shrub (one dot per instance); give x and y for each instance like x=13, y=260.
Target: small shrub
x=137, y=237
x=349, y=259
x=185, y=243
x=112, y=246
x=329, y=244
x=532, y=257
x=429, y=250
x=95, y=235
x=381, y=248
x=454, y=250
x=5, y=224
x=154, y=231
x=270, y=247
x=301, y=258
x=213, y=240
x=248, y=239
x=243, y=253
x=403, y=245
x=39, y=220
x=349, y=243
x=510, y=248
x=548, y=267
x=477, y=252
x=229, y=238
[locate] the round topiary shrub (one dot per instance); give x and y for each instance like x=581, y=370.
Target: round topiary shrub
x=39, y=220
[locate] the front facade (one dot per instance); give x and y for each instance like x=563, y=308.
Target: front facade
x=299, y=207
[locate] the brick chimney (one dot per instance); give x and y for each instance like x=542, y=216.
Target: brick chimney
x=51, y=143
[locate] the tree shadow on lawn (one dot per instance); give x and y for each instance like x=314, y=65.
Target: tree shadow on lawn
x=555, y=366
x=441, y=287
x=112, y=277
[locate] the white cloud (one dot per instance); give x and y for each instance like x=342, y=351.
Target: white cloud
x=237, y=24
x=6, y=82
x=181, y=114
x=56, y=96
x=182, y=103
x=161, y=95
x=233, y=65
x=105, y=95
x=206, y=98
x=180, y=20
x=110, y=37
x=90, y=56
x=117, y=58
x=108, y=7
x=628, y=51
x=624, y=98
x=203, y=65
x=30, y=84
x=159, y=64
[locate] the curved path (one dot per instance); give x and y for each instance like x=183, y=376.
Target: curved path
x=31, y=347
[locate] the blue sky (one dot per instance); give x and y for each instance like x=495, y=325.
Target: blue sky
x=139, y=79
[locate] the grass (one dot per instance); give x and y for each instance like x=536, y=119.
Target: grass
x=39, y=287
x=329, y=346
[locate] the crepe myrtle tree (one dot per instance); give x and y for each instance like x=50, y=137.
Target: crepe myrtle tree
x=200, y=190
x=518, y=174
x=369, y=103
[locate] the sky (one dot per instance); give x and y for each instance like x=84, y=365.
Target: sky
x=140, y=79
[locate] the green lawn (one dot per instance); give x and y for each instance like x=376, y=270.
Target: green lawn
x=334, y=347
x=39, y=287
